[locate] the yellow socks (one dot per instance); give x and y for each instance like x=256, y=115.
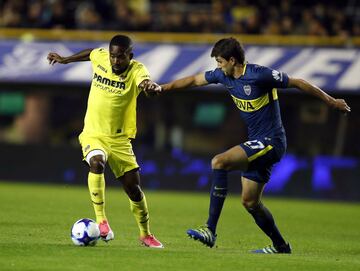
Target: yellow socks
x=96, y=183
x=141, y=214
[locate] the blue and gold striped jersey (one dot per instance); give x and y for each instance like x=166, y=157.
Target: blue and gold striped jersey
x=255, y=95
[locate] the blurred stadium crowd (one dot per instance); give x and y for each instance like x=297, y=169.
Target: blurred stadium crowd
x=284, y=17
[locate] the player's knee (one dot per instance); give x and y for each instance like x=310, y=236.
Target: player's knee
x=249, y=204
x=219, y=162
x=97, y=165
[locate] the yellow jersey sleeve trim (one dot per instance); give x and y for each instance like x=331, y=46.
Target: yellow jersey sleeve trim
x=260, y=153
x=142, y=74
x=256, y=104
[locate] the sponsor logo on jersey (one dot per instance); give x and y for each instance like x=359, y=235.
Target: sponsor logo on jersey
x=244, y=105
x=108, y=82
x=255, y=104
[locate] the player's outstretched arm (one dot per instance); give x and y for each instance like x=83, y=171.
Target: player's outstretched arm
x=305, y=86
x=83, y=55
x=190, y=81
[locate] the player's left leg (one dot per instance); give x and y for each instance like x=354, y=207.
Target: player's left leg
x=123, y=164
x=138, y=206
x=251, y=200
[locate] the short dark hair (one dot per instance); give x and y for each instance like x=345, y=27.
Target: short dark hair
x=121, y=40
x=227, y=48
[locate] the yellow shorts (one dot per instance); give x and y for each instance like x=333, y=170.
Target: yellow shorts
x=118, y=152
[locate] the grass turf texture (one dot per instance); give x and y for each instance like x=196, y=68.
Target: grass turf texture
x=36, y=221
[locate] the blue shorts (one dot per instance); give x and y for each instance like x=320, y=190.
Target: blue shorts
x=262, y=154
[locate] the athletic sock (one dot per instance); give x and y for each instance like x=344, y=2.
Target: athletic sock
x=218, y=194
x=265, y=221
x=141, y=214
x=96, y=183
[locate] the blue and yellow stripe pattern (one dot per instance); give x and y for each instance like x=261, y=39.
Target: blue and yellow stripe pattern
x=255, y=104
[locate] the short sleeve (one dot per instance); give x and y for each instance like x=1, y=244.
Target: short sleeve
x=95, y=54
x=141, y=74
x=213, y=77
x=272, y=78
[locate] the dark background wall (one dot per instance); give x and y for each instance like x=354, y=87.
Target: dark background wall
x=178, y=134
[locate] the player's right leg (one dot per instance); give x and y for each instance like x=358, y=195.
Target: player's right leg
x=234, y=158
x=96, y=184
x=95, y=156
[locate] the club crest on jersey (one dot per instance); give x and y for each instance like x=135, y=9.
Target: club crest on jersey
x=247, y=90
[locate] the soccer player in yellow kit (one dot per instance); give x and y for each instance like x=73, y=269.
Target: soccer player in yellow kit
x=109, y=126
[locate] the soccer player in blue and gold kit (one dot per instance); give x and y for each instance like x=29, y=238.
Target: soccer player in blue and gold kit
x=253, y=88
x=109, y=126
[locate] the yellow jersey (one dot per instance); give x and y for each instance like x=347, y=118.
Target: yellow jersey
x=111, y=108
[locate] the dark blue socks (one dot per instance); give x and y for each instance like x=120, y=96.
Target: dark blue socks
x=265, y=221
x=217, y=197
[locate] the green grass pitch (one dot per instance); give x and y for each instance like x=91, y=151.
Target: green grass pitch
x=36, y=221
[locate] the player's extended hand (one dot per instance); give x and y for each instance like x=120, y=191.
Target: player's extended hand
x=151, y=88
x=55, y=58
x=341, y=105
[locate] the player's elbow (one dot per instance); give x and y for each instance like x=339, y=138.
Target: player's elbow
x=199, y=80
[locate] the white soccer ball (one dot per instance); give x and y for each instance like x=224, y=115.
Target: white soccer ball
x=85, y=232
